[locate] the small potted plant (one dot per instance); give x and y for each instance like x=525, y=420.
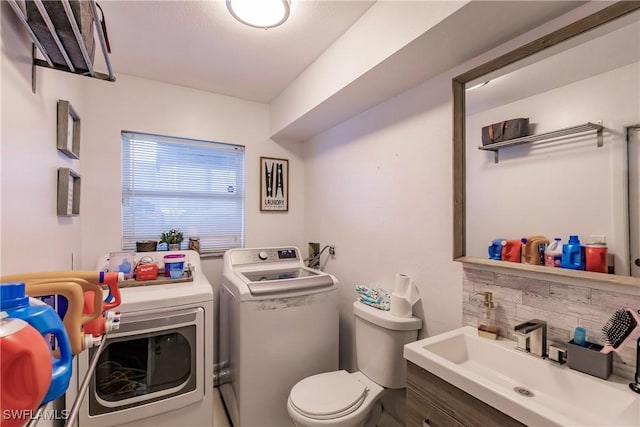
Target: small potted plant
x=172, y=238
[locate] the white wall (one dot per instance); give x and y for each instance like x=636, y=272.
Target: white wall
x=559, y=188
x=33, y=237
x=379, y=188
x=141, y=105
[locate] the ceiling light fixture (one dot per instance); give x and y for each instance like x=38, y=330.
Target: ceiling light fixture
x=260, y=13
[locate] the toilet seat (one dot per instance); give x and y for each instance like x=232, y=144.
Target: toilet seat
x=328, y=395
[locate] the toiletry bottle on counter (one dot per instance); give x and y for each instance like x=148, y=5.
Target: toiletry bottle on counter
x=573, y=254
x=580, y=336
x=553, y=253
x=488, y=327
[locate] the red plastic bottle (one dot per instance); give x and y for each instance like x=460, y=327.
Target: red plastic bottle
x=26, y=370
x=596, y=257
x=511, y=250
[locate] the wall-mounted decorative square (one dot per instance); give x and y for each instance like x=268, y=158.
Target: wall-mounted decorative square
x=68, y=192
x=68, y=130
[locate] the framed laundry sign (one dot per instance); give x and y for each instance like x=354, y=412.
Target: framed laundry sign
x=274, y=184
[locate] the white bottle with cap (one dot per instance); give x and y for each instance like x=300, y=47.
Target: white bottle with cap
x=553, y=253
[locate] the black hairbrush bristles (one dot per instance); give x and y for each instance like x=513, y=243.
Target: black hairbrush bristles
x=619, y=327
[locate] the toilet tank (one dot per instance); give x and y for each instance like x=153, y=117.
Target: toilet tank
x=380, y=340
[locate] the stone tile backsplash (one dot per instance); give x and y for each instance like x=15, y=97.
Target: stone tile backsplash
x=564, y=307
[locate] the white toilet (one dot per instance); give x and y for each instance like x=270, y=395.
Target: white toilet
x=344, y=399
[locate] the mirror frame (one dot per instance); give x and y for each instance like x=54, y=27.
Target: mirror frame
x=585, y=24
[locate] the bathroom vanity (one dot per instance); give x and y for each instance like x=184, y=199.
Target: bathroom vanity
x=434, y=402
x=458, y=378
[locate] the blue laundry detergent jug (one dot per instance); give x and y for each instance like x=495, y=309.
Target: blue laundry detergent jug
x=495, y=249
x=573, y=254
x=46, y=321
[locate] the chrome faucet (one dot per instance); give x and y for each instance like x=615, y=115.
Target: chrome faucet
x=531, y=336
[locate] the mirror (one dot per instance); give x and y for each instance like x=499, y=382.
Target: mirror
x=584, y=73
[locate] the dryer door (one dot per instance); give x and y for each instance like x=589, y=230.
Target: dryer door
x=152, y=364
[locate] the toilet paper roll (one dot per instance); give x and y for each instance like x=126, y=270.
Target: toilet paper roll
x=400, y=306
x=402, y=284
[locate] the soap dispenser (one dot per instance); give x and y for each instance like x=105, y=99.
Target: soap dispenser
x=487, y=324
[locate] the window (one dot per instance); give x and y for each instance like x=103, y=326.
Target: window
x=194, y=186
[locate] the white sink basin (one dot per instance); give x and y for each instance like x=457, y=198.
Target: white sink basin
x=492, y=370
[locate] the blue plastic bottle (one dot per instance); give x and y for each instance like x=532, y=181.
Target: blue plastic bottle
x=44, y=319
x=572, y=254
x=580, y=336
x=495, y=249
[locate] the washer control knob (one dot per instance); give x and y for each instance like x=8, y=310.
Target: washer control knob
x=263, y=255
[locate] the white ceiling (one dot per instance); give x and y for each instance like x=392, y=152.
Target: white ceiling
x=606, y=48
x=198, y=44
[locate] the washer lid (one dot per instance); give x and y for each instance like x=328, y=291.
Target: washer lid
x=329, y=395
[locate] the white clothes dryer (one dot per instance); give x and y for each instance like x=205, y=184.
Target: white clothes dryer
x=278, y=325
x=157, y=368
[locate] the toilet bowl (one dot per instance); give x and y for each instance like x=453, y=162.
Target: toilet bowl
x=337, y=398
x=344, y=399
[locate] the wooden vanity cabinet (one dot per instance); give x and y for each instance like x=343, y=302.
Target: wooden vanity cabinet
x=433, y=402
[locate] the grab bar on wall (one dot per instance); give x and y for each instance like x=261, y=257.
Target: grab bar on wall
x=69, y=67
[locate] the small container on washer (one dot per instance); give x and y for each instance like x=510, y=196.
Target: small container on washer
x=174, y=265
x=194, y=244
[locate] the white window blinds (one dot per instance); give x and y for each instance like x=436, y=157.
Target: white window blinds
x=194, y=186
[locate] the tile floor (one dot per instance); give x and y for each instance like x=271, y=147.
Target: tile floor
x=220, y=418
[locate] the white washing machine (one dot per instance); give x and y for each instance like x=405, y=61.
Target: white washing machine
x=157, y=368
x=278, y=325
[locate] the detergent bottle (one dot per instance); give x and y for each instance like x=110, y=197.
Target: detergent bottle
x=553, y=253
x=531, y=249
x=573, y=254
x=596, y=257
x=495, y=249
x=511, y=250
x=110, y=319
x=45, y=320
x=82, y=311
x=26, y=368
x=74, y=318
